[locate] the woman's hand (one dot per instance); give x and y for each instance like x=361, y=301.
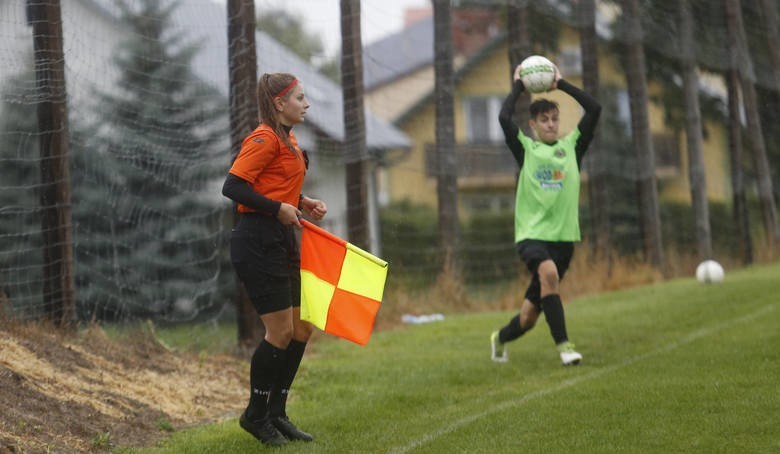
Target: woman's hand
x=289, y=215
x=316, y=209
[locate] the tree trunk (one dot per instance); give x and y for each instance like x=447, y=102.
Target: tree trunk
x=58, y=282
x=649, y=216
x=356, y=153
x=769, y=12
x=5, y=304
x=242, y=62
x=693, y=132
x=744, y=67
x=446, y=159
x=595, y=161
x=740, y=210
x=519, y=48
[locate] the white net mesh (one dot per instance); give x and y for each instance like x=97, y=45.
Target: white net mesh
x=149, y=142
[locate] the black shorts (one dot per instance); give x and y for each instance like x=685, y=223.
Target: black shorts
x=267, y=259
x=534, y=252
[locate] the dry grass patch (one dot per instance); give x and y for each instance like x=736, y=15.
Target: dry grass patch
x=86, y=392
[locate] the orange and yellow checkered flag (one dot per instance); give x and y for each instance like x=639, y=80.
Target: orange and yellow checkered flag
x=341, y=285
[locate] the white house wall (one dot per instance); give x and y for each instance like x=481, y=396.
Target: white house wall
x=89, y=38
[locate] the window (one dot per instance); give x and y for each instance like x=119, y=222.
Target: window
x=482, y=119
x=667, y=151
x=624, y=110
x=570, y=62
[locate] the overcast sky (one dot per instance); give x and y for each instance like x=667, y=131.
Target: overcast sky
x=379, y=17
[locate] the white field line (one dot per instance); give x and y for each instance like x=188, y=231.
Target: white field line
x=693, y=336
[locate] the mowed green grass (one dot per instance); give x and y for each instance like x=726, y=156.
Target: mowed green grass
x=674, y=367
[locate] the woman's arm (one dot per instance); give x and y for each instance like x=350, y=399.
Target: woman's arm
x=239, y=190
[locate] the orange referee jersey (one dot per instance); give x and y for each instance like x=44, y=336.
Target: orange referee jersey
x=269, y=165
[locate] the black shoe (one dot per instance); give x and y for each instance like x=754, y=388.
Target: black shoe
x=263, y=430
x=288, y=429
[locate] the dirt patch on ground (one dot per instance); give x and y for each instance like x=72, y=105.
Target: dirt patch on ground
x=89, y=393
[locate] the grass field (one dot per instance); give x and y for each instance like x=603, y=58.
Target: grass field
x=675, y=367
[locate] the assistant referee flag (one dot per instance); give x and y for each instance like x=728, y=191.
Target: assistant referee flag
x=341, y=284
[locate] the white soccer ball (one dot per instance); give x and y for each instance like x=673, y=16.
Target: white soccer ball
x=537, y=73
x=709, y=272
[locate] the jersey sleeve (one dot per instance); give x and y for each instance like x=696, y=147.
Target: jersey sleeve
x=511, y=130
x=256, y=153
x=587, y=124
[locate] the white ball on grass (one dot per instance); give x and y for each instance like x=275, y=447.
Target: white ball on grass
x=709, y=272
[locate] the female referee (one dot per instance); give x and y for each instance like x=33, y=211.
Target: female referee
x=265, y=181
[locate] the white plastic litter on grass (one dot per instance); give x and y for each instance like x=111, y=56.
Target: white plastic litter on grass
x=418, y=319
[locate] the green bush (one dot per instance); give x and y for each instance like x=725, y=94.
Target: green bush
x=410, y=243
x=487, y=249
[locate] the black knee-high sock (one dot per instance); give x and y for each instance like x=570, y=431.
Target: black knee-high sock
x=511, y=331
x=277, y=401
x=553, y=313
x=263, y=372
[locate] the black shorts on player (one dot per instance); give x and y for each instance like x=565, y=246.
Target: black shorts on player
x=534, y=252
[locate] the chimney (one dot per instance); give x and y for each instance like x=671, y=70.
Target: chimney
x=412, y=15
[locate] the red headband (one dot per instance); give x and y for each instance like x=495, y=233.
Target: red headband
x=286, y=89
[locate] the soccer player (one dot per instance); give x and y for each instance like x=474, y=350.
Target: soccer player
x=546, y=209
x=266, y=180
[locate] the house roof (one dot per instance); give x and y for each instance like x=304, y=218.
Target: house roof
x=398, y=54
x=206, y=23
x=467, y=66
x=412, y=48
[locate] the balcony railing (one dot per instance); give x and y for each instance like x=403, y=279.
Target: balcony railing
x=492, y=165
x=475, y=160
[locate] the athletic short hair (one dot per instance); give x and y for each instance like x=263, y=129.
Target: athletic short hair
x=542, y=105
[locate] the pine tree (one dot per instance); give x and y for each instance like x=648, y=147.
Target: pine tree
x=20, y=225
x=149, y=238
